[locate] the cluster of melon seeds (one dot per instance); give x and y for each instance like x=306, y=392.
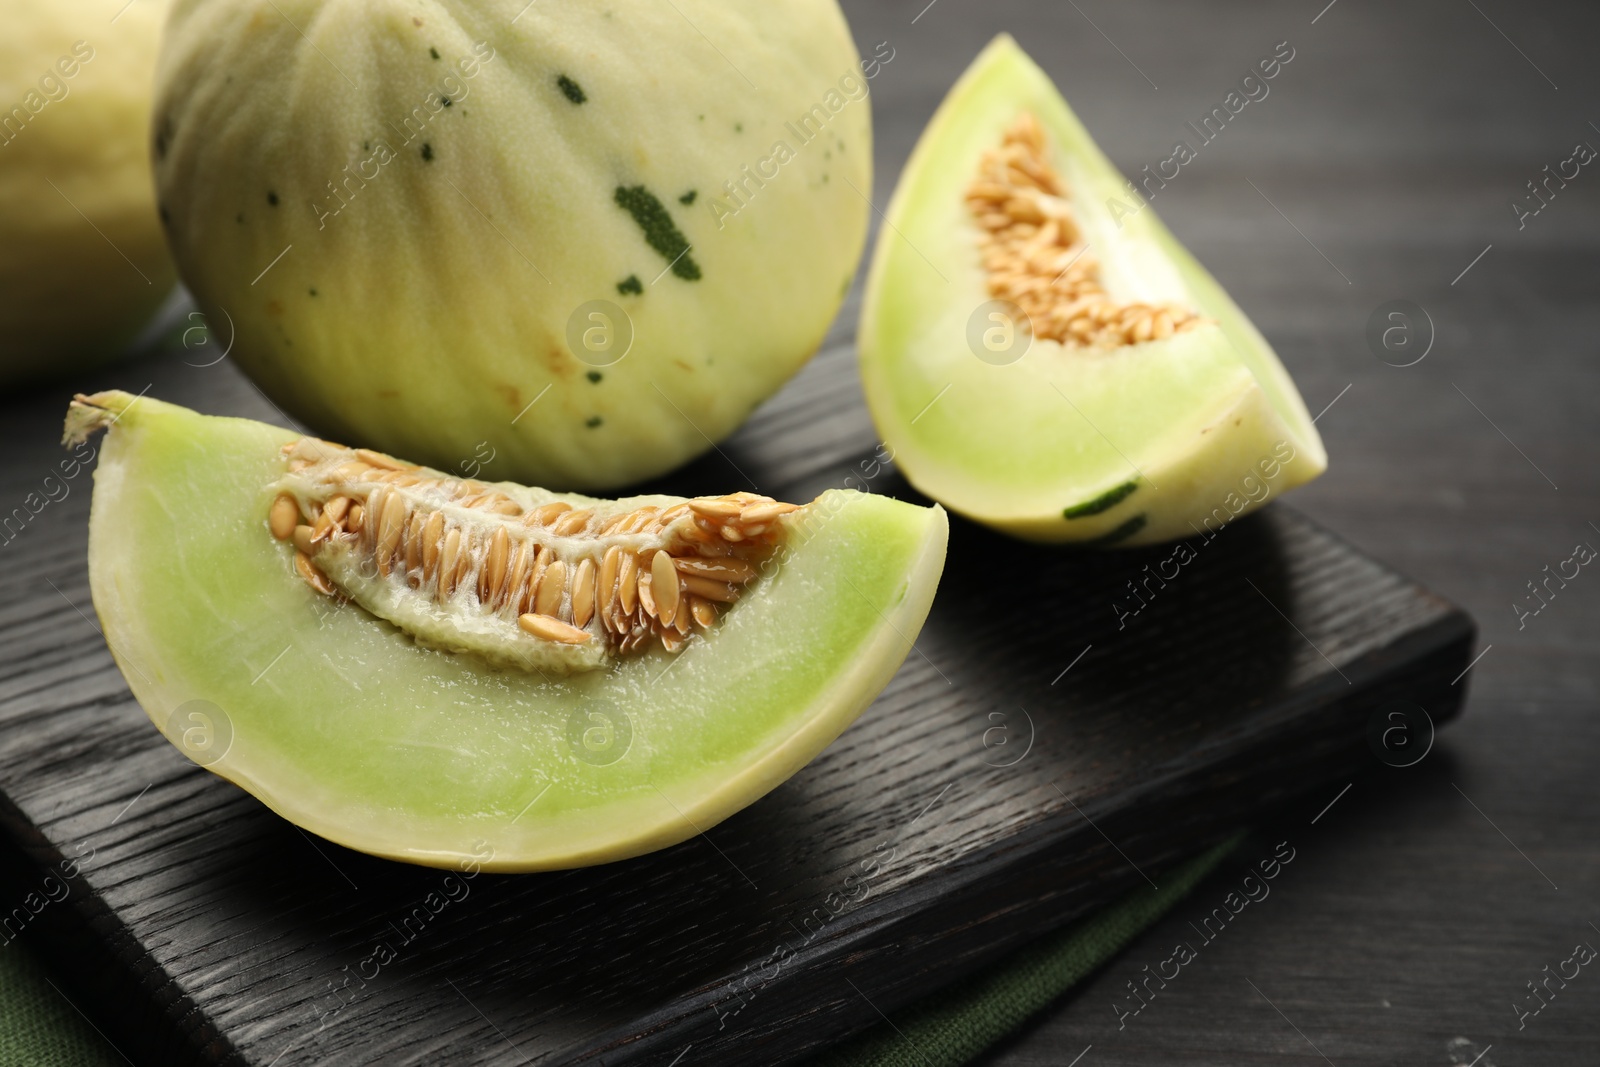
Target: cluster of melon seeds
x=517, y=576
x=1035, y=256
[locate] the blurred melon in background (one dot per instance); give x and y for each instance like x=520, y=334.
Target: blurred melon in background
x=83, y=264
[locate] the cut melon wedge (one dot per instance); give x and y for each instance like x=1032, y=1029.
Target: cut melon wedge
x=348, y=726
x=1047, y=439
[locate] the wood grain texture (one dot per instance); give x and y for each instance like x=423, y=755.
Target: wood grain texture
x=1001, y=785
x=1418, y=905
x=1394, y=142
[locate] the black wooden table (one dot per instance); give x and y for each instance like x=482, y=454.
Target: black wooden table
x=1381, y=167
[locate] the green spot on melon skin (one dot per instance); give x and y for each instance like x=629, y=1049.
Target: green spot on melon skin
x=630, y=284
x=594, y=376
x=434, y=52
x=1121, y=533
x=593, y=421
x=1104, y=502
x=427, y=153
x=570, y=89
x=688, y=198
x=272, y=198
x=660, y=232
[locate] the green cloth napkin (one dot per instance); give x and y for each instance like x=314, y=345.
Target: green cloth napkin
x=954, y=1026
x=39, y=1027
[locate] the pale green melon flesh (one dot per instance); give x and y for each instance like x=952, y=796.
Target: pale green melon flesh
x=346, y=727
x=1017, y=446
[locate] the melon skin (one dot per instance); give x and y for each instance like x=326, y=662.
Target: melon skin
x=1122, y=447
x=440, y=265
x=346, y=727
x=76, y=195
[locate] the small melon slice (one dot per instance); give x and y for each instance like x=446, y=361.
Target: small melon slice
x=1041, y=353
x=385, y=656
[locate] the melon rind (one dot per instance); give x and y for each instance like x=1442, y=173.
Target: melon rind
x=1197, y=421
x=346, y=727
x=83, y=262
x=425, y=279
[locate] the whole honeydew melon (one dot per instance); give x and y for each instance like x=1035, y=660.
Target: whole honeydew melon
x=439, y=704
x=82, y=261
x=1040, y=352
x=588, y=237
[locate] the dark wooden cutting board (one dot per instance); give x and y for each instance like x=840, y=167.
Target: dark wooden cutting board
x=1034, y=757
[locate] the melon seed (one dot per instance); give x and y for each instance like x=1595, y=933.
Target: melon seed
x=546, y=570
x=583, y=593
x=627, y=582
x=413, y=542
x=314, y=577
x=606, y=584
x=519, y=570
x=283, y=517
x=1036, y=257
x=727, y=570
x=647, y=600
x=570, y=523
x=552, y=629
x=432, y=543
x=494, y=569
x=378, y=459
x=709, y=588
x=664, y=586
x=547, y=601
x=449, y=559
